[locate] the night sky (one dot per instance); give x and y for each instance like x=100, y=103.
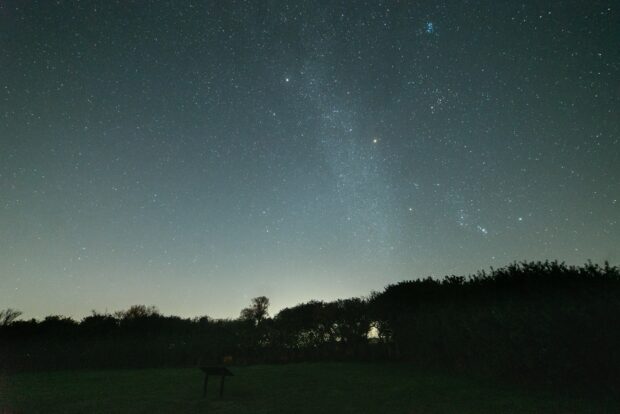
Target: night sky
x=193, y=155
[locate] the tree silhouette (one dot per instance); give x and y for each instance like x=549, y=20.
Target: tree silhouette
x=540, y=322
x=138, y=311
x=7, y=316
x=257, y=311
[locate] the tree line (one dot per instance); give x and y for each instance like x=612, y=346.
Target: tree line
x=537, y=323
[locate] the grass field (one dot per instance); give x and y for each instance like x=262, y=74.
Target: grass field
x=295, y=388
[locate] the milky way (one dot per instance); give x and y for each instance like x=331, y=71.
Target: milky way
x=192, y=155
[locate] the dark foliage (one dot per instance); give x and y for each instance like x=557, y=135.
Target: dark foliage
x=539, y=323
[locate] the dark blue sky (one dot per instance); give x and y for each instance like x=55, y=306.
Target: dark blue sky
x=194, y=154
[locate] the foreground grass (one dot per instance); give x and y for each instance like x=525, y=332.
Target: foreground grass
x=295, y=388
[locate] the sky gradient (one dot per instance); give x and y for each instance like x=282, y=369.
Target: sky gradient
x=193, y=155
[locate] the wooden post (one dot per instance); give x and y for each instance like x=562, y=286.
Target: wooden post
x=204, y=392
x=222, y=386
